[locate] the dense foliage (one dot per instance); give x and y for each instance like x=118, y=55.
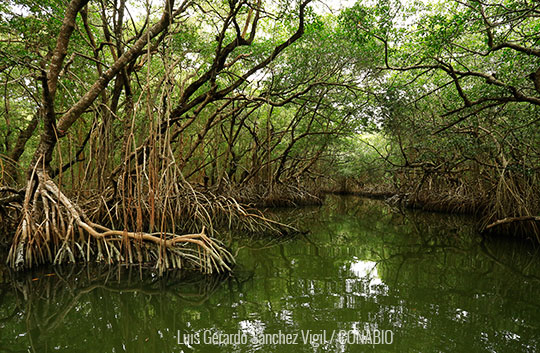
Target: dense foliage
x=460, y=100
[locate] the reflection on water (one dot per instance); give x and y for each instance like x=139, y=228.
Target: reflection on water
x=368, y=283
x=427, y=278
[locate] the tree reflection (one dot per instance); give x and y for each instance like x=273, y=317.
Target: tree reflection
x=86, y=303
x=430, y=278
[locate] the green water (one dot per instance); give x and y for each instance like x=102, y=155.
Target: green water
x=423, y=282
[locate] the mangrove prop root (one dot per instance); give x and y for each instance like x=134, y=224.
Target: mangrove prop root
x=55, y=230
x=508, y=220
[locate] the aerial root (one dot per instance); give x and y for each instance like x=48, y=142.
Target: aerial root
x=55, y=230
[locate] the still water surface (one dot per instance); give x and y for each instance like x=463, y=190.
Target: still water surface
x=426, y=282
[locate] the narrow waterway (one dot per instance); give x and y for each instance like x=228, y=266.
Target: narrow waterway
x=365, y=279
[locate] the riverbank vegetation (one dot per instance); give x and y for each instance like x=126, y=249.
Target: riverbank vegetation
x=459, y=103
x=136, y=132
